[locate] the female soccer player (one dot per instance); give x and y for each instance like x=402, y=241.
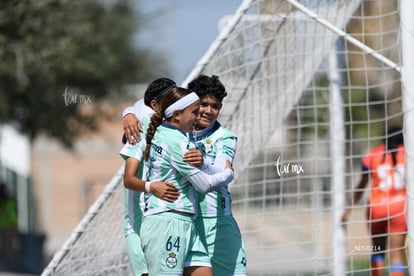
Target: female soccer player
x=143, y=109
x=215, y=222
x=170, y=242
x=386, y=212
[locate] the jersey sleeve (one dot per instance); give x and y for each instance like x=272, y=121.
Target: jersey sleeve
x=201, y=181
x=205, y=183
x=130, y=109
x=218, y=166
x=177, y=153
x=139, y=109
x=135, y=151
x=226, y=148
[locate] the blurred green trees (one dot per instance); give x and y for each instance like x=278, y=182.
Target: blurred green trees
x=59, y=54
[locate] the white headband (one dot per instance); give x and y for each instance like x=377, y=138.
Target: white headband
x=181, y=104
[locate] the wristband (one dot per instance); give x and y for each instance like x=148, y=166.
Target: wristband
x=148, y=187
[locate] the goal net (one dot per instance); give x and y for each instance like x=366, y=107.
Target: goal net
x=312, y=85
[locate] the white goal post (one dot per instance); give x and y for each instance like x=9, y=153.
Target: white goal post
x=312, y=85
x=407, y=32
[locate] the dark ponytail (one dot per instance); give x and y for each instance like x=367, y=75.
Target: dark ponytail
x=156, y=120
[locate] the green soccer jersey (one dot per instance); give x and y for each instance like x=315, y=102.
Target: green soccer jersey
x=165, y=163
x=215, y=142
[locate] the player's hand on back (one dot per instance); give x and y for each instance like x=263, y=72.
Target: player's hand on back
x=165, y=190
x=193, y=157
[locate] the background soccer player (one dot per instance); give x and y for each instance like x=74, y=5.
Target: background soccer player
x=386, y=213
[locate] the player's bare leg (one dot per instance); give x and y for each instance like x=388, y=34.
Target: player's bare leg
x=397, y=254
x=377, y=258
x=198, y=271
